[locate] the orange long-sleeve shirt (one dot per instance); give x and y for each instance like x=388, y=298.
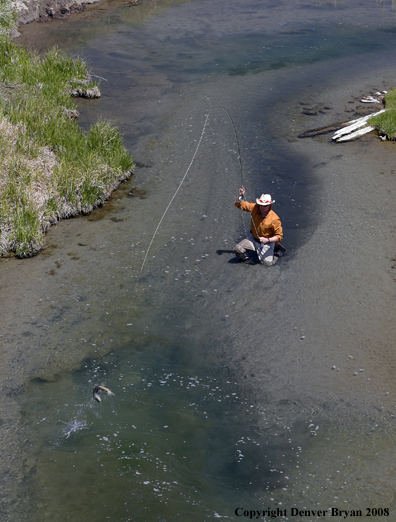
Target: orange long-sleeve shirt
x=267, y=226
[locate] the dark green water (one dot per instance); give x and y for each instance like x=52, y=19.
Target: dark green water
x=201, y=353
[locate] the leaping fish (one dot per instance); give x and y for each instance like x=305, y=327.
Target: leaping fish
x=98, y=389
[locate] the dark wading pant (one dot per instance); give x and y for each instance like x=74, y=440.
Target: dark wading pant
x=265, y=252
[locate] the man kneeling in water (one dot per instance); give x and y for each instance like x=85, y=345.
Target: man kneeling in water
x=266, y=229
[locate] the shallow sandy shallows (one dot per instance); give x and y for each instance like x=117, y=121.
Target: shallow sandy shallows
x=332, y=340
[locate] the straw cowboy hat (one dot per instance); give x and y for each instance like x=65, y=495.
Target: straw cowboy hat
x=265, y=199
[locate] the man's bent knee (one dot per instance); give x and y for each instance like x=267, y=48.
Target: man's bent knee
x=241, y=253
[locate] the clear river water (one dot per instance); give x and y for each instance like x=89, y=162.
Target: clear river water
x=236, y=387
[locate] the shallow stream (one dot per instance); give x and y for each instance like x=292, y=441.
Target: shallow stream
x=235, y=386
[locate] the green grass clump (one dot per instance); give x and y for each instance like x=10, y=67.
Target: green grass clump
x=49, y=168
x=20, y=182
x=390, y=99
x=8, y=17
x=385, y=123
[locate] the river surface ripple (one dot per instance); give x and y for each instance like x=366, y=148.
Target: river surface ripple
x=235, y=385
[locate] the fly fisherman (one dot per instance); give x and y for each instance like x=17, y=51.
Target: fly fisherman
x=266, y=229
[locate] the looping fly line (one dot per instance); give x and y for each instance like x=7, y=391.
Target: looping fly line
x=185, y=175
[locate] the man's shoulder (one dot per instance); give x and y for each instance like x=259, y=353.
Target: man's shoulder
x=248, y=205
x=273, y=215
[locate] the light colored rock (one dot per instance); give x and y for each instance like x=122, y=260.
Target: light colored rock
x=73, y=114
x=86, y=93
x=370, y=99
x=31, y=10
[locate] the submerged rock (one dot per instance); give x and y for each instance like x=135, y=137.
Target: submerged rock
x=310, y=112
x=138, y=193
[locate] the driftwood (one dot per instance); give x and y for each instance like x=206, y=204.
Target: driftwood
x=350, y=130
x=356, y=128
x=323, y=130
x=344, y=131
x=356, y=134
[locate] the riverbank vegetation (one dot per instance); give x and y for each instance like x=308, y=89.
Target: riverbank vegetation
x=385, y=123
x=49, y=168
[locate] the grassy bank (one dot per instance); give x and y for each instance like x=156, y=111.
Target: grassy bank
x=49, y=168
x=385, y=123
